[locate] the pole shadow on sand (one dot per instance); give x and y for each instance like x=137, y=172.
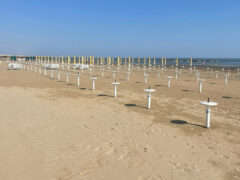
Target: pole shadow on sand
x=226, y=97
x=70, y=84
x=186, y=90
x=134, y=105
x=159, y=85
x=229, y=97
x=182, y=122
x=104, y=95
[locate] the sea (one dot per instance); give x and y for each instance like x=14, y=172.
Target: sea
x=220, y=62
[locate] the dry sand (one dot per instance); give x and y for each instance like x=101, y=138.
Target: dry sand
x=53, y=131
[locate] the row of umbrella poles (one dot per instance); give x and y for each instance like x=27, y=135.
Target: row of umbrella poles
x=128, y=70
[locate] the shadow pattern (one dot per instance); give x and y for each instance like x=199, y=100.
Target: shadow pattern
x=104, y=95
x=186, y=90
x=134, y=105
x=158, y=85
x=227, y=97
x=182, y=122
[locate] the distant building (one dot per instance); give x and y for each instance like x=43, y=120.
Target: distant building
x=4, y=57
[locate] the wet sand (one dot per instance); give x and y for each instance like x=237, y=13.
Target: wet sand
x=54, y=131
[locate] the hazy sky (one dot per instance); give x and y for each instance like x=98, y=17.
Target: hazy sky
x=172, y=28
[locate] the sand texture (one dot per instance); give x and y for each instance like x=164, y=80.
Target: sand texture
x=53, y=131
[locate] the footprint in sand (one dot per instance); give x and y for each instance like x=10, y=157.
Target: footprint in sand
x=223, y=156
x=110, y=151
x=85, y=126
x=123, y=156
x=176, y=165
x=97, y=149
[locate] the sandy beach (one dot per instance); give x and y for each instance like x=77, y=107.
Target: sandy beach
x=54, y=131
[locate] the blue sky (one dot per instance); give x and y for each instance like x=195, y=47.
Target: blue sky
x=171, y=28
